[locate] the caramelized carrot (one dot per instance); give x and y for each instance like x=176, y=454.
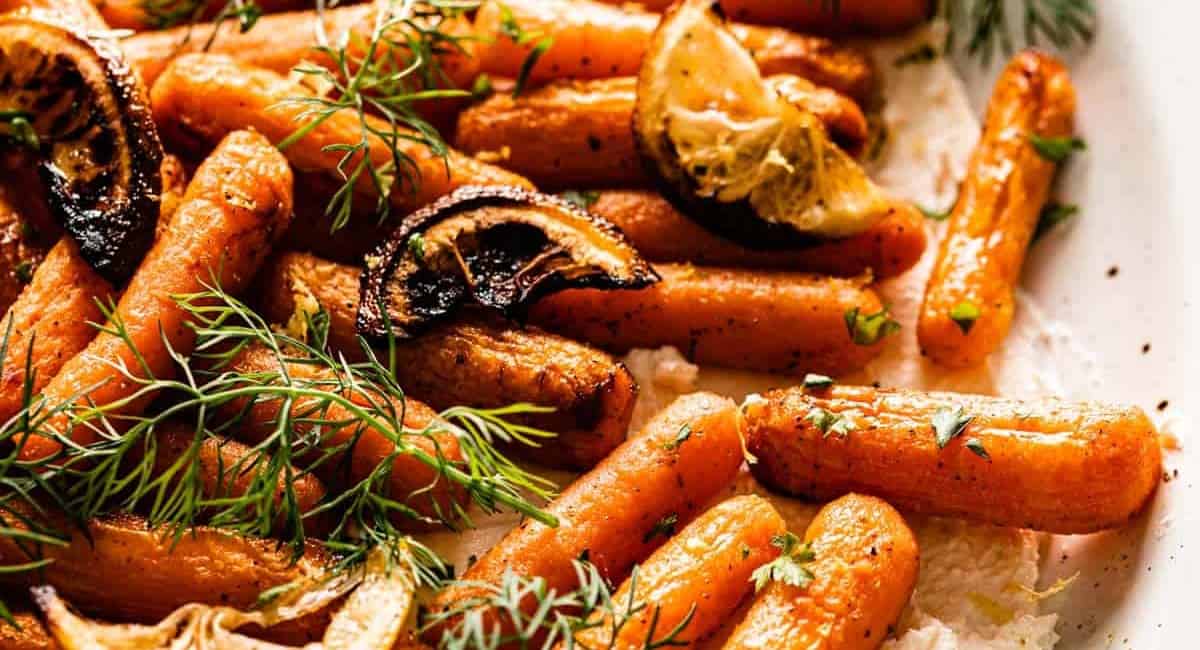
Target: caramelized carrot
x=578, y=133
x=28, y=633
x=478, y=362
x=849, y=17
x=235, y=207
x=75, y=13
x=696, y=579
x=622, y=510
x=134, y=14
x=410, y=482
x=661, y=233
x=1046, y=465
x=280, y=42
x=592, y=40
x=767, y=321
x=23, y=245
x=864, y=570
x=969, y=301
x=200, y=98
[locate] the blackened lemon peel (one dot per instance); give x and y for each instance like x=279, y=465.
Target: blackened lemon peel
x=496, y=247
x=733, y=153
x=97, y=147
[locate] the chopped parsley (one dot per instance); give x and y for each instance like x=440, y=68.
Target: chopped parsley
x=869, y=329
x=685, y=432
x=948, y=424
x=664, y=527
x=935, y=215
x=416, y=246
x=584, y=199
x=1056, y=150
x=964, y=314
x=829, y=423
x=976, y=448
x=482, y=87
x=789, y=568
x=817, y=382
x=1052, y=215
x=24, y=271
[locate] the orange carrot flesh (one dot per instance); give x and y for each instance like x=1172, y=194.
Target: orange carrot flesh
x=28, y=634
x=23, y=245
x=478, y=362
x=969, y=301
x=133, y=14
x=661, y=233
x=235, y=207
x=698, y=577
x=727, y=317
x=616, y=511
x=592, y=40
x=1050, y=465
x=849, y=17
x=864, y=571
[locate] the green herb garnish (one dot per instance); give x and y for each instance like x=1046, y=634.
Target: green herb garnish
x=817, y=382
x=869, y=329
x=948, y=424
x=789, y=568
x=1056, y=149
x=964, y=314
x=1052, y=215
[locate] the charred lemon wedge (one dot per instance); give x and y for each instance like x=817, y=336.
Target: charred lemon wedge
x=497, y=247
x=74, y=102
x=741, y=159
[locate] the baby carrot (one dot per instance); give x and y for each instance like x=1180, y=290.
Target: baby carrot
x=695, y=580
x=864, y=568
x=1046, y=465
x=625, y=508
x=239, y=202
x=24, y=241
x=767, y=321
x=969, y=300
x=478, y=362
x=846, y=17
x=139, y=14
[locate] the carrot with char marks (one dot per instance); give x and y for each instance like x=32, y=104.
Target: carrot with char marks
x=592, y=40
x=200, y=98
x=476, y=361
x=864, y=568
x=837, y=18
x=1047, y=465
x=661, y=233
x=969, y=300
x=622, y=510
x=238, y=204
x=766, y=321
x=696, y=580
x=577, y=134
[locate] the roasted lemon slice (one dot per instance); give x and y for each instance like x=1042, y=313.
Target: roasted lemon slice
x=742, y=160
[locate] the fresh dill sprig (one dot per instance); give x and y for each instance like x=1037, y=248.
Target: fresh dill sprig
x=164, y=14
x=985, y=26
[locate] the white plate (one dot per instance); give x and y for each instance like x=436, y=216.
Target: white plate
x=1139, y=99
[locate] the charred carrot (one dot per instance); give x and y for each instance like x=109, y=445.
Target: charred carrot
x=969, y=300
x=846, y=17
x=1046, y=464
x=591, y=40
x=661, y=233
x=410, y=482
x=140, y=14
x=239, y=202
x=695, y=580
x=767, y=321
x=478, y=362
x=577, y=133
x=625, y=508
x=863, y=570
x=200, y=98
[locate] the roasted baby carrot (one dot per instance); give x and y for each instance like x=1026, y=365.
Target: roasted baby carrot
x=864, y=568
x=200, y=98
x=845, y=17
x=478, y=362
x=121, y=569
x=625, y=508
x=410, y=482
x=578, y=134
x=591, y=40
x=239, y=202
x=695, y=580
x=661, y=233
x=1047, y=465
x=140, y=15
x=282, y=41
x=28, y=634
x=969, y=300
x=767, y=321
x=23, y=245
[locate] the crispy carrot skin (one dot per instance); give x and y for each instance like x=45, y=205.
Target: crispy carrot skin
x=239, y=202
x=479, y=362
x=123, y=570
x=593, y=40
x=662, y=234
x=410, y=482
x=1054, y=466
x=613, y=511
x=132, y=14
x=706, y=566
x=200, y=98
x=865, y=568
x=575, y=134
x=980, y=258
x=767, y=321
x=282, y=41
x=850, y=17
